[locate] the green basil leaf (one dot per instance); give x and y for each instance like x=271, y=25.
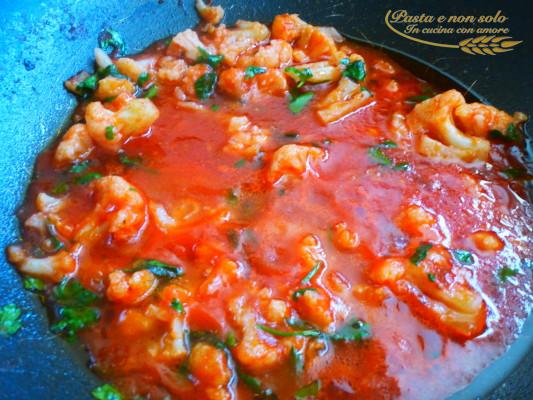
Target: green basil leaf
x=210, y=59
x=377, y=156
x=310, y=390
x=463, y=256
x=298, y=103
x=87, y=178
x=158, y=268
x=34, y=284
x=70, y=292
x=420, y=253
x=300, y=75
x=10, y=319
x=356, y=71
x=354, y=331
x=252, y=71
x=106, y=392
x=143, y=78
x=111, y=42
x=73, y=319
x=504, y=273
x=310, y=274
x=80, y=167
x=204, y=86
x=277, y=332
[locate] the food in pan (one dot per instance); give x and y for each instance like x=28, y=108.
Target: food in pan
x=276, y=212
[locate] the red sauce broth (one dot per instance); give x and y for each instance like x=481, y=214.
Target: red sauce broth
x=183, y=158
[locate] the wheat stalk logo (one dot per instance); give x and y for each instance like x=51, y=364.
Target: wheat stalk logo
x=488, y=45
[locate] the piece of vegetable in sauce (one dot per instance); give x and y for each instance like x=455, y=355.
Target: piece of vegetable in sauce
x=420, y=253
x=463, y=256
x=34, y=284
x=60, y=188
x=177, y=305
x=377, y=156
x=431, y=277
x=511, y=134
x=356, y=71
x=10, y=319
x=109, y=132
x=111, y=42
x=128, y=161
x=299, y=102
x=505, y=272
x=106, y=392
x=256, y=386
x=354, y=331
x=210, y=59
x=87, y=178
x=158, y=268
x=231, y=340
x=70, y=292
x=73, y=319
x=307, y=278
x=310, y=390
x=143, y=78
x=151, y=92
x=277, y=332
x=252, y=71
x=299, y=75
x=80, y=167
x=204, y=86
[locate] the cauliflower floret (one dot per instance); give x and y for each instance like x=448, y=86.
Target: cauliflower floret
x=316, y=42
x=433, y=120
x=120, y=209
x=110, y=87
x=246, y=140
x=130, y=289
x=345, y=99
x=294, y=160
x=99, y=118
x=47, y=207
x=75, y=146
x=276, y=54
x=171, y=69
x=435, y=292
x=287, y=27
x=189, y=42
x=210, y=366
x=190, y=77
x=136, y=117
x=53, y=267
x=211, y=14
x=129, y=67
x=233, y=42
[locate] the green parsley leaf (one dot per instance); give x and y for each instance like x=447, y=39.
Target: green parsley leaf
x=88, y=85
x=87, y=178
x=204, y=86
x=143, y=78
x=512, y=134
x=504, y=273
x=379, y=157
x=79, y=168
x=356, y=71
x=60, y=188
x=388, y=144
x=240, y=163
x=256, y=386
x=431, y=277
x=300, y=75
x=277, y=332
x=134, y=161
x=109, y=132
x=310, y=390
x=106, y=392
x=111, y=42
x=420, y=253
x=310, y=274
x=417, y=99
x=215, y=107
x=73, y=319
x=231, y=340
x=34, y=284
x=176, y=305
x=403, y=166
x=70, y=292
x=158, y=268
x=151, y=92
x=463, y=256
x=354, y=331
x=210, y=59
x=296, y=359
x=299, y=293
x=252, y=71
x=110, y=70
x=345, y=61
x=10, y=319
x=298, y=103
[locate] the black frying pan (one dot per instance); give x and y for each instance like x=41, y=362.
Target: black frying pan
x=45, y=42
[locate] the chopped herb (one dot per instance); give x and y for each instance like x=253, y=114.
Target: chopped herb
x=512, y=134
x=207, y=337
x=79, y=168
x=87, y=178
x=231, y=340
x=143, y=78
x=310, y=390
x=514, y=173
x=240, y=163
x=215, y=107
x=210, y=59
x=300, y=75
x=158, y=268
x=291, y=135
x=300, y=292
x=73, y=319
x=403, y=166
x=504, y=273
x=431, y=277
x=88, y=85
x=176, y=305
x=297, y=323
x=70, y=292
x=106, y=392
x=109, y=132
x=60, y=188
x=277, y=332
x=204, y=86
x=345, y=61
x=10, y=319
x=296, y=360
x=151, y=92
x=417, y=99
x=111, y=42
x=310, y=274
x=34, y=284
x=252, y=71
x=495, y=134
x=231, y=197
x=463, y=256
x=379, y=157
x=355, y=71
x=112, y=70
x=299, y=102
x=109, y=99
x=256, y=386
x=354, y=331
x=134, y=161
x=420, y=253
x=167, y=41
x=388, y=144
